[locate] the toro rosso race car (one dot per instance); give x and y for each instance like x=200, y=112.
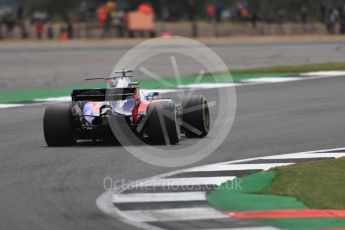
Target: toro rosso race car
x=151, y=118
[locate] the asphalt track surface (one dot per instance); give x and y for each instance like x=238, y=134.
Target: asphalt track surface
x=56, y=188
x=35, y=65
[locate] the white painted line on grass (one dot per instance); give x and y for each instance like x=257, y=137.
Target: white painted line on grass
x=158, y=197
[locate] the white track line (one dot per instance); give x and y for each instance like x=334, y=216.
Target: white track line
x=324, y=73
x=53, y=99
x=3, y=106
x=158, y=197
x=329, y=150
x=309, y=154
x=247, y=228
x=174, y=214
x=208, y=85
x=271, y=79
x=193, y=181
x=221, y=167
x=304, y=155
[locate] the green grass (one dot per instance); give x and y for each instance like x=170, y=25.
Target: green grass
x=207, y=78
x=249, y=196
x=318, y=184
x=237, y=75
x=294, y=68
x=26, y=95
x=31, y=94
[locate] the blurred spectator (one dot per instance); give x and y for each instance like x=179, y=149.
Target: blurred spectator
x=105, y=17
x=113, y=23
x=323, y=11
x=106, y=27
x=70, y=29
x=102, y=15
x=342, y=20
x=0, y=26
x=111, y=7
x=219, y=11
x=331, y=21
x=173, y=13
x=20, y=13
x=165, y=12
x=211, y=12
x=254, y=18
x=243, y=11
x=146, y=8
x=23, y=30
x=270, y=17
x=226, y=14
x=191, y=10
x=63, y=34
x=8, y=21
x=39, y=18
x=50, y=31
x=120, y=23
x=304, y=15
x=113, y=20
x=83, y=11
x=39, y=26
x=21, y=22
x=191, y=16
x=281, y=18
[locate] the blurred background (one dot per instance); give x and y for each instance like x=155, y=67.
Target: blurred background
x=87, y=19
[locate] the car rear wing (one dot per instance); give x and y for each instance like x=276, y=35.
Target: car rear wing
x=103, y=94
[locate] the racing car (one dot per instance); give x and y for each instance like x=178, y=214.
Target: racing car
x=150, y=117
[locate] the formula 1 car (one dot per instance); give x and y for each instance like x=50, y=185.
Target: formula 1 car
x=151, y=118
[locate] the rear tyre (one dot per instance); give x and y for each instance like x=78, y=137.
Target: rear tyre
x=57, y=125
x=162, y=125
x=195, y=116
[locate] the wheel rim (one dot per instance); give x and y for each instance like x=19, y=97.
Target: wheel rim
x=178, y=128
x=206, y=116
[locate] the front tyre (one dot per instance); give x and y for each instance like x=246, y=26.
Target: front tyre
x=195, y=116
x=57, y=125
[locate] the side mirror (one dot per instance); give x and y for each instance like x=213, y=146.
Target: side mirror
x=152, y=95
